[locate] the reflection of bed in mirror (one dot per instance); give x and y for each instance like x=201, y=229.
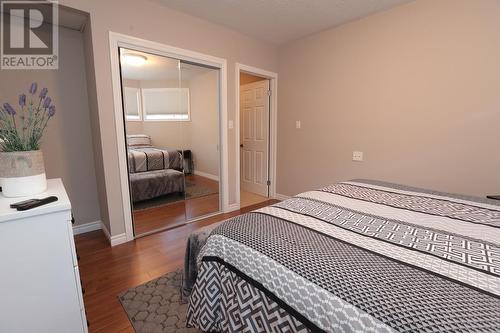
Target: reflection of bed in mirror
x=171, y=113
x=153, y=171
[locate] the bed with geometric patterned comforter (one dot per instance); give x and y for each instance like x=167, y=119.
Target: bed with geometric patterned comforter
x=357, y=256
x=154, y=172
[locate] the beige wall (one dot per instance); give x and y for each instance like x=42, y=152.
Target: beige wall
x=152, y=21
x=88, y=52
x=202, y=132
x=67, y=143
x=416, y=88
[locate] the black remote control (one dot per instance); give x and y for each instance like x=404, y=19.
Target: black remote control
x=22, y=203
x=35, y=203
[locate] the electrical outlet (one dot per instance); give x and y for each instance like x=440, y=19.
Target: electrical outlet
x=230, y=124
x=297, y=124
x=357, y=156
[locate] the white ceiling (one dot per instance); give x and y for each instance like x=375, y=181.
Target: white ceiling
x=280, y=21
x=160, y=68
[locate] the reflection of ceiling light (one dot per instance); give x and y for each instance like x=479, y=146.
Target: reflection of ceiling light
x=134, y=59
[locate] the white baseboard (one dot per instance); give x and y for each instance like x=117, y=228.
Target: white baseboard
x=118, y=239
x=87, y=227
x=206, y=175
x=232, y=208
x=281, y=196
x=106, y=231
x=114, y=240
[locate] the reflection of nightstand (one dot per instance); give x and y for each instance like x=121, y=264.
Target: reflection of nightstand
x=188, y=161
x=494, y=197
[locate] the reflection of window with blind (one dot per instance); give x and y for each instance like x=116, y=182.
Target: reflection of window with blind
x=132, y=101
x=168, y=104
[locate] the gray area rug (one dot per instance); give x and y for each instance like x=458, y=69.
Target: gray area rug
x=156, y=306
x=192, y=191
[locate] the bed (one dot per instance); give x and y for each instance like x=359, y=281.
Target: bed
x=153, y=171
x=357, y=256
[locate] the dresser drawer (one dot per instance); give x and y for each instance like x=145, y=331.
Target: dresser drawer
x=72, y=242
x=79, y=288
x=84, y=321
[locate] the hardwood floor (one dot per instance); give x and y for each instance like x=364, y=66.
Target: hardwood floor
x=176, y=213
x=107, y=271
x=249, y=198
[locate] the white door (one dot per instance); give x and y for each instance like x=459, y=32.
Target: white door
x=254, y=136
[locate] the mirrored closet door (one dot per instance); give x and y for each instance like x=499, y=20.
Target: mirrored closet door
x=171, y=116
x=201, y=140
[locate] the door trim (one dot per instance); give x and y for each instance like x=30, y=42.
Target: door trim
x=117, y=40
x=273, y=112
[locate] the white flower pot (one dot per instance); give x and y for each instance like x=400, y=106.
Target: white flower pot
x=22, y=173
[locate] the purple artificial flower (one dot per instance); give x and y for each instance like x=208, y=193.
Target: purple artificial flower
x=46, y=102
x=22, y=100
x=43, y=93
x=52, y=111
x=33, y=88
x=9, y=109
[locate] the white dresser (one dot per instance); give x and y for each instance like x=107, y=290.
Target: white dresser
x=40, y=287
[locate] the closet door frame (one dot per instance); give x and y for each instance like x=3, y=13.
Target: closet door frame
x=117, y=40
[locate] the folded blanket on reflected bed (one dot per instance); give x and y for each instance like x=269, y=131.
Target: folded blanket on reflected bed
x=359, y=256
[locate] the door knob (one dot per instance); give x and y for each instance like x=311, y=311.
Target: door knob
x=241, y=145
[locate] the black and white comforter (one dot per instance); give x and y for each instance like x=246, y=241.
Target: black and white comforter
x=359, y=256
x=149, y=158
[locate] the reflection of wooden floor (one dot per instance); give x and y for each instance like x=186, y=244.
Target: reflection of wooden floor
x=249, y=198
x=175, y=214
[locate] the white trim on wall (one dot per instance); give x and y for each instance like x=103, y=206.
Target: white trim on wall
x=114, y=240
x=86, y=227
x=105, y=231
x=118, y=239
x=273, y=85
x=117, y=40
x=206, y=175
x=233, y=207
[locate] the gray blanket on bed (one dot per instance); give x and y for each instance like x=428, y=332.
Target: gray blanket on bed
x=195, y=243
x=152, y=184
x=358, y=256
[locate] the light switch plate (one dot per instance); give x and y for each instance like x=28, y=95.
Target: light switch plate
x=357, y=156
x=230, y=124
x=297, y=124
